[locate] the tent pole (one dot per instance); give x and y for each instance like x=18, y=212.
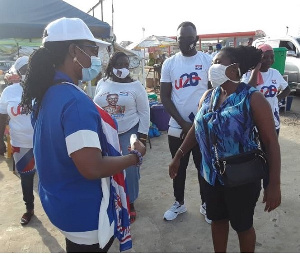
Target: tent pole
x=143, y=70
x=102, y=10
x=112, y=15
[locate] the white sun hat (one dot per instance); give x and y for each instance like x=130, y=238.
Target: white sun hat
x=19, y=63
x=68, y=29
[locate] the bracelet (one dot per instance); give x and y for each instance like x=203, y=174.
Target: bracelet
x=139, y=155
x=181, y=151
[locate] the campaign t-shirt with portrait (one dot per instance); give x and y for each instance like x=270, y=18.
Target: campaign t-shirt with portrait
x=189, y=78
x=21, y=131
x=126, y=102
x=273, y=82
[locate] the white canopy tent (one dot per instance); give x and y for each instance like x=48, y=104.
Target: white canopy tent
x=152, y=41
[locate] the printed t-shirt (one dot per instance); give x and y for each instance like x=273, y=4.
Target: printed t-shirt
x=21, y=130
x=189, y=78
x=126, y=102
x=273, y=83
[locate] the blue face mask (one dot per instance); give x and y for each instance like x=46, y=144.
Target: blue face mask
x=90, y=73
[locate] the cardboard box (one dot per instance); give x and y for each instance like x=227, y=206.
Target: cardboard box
x=150, y=82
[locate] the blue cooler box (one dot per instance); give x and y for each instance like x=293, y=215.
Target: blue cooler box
x=160, y=117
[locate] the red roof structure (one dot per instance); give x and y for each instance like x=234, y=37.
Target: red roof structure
x=234, y=35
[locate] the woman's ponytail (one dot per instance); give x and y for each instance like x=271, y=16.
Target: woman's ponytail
x=41, y=71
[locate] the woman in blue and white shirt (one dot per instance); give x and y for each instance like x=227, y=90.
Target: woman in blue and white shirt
x=76, y=146
x=236, y=109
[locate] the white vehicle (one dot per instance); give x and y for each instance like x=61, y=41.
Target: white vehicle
x=292, y=63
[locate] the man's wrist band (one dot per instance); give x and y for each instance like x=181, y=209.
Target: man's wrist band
x=181, y=151
x=139, y=155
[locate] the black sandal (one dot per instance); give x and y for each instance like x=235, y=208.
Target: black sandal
x=26, y=218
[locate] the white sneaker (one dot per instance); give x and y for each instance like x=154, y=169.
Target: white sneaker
x=203, y=211
x=174, y=210
x=207, y=220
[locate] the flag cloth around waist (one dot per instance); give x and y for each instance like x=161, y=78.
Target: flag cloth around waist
x=114, y=216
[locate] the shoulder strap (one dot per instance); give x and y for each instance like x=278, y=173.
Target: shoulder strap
x=256, y=137
x=210, y=109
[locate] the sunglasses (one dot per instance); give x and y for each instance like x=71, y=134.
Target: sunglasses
x=95, y=48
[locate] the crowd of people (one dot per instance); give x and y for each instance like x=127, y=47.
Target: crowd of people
x=89, y=169
x=211, y=52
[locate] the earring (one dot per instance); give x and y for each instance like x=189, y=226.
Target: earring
x=74, y=59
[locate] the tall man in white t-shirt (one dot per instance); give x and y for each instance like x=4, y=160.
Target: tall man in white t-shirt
x=184, y=79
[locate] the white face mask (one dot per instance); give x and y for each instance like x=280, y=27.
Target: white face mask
x=217, y=74
x=121, y=73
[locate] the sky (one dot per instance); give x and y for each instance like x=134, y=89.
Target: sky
x=162, y=17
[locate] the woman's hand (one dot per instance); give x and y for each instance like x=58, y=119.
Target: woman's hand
x=2, y=147
x=173, y=167
x=3, y=122
x=272, y=197
x=254, y=75
x=142, y=137
x=186, y=126
x=257, y=68
x=139, y=146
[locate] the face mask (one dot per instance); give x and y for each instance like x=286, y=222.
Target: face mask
x=217, y=76
x=186, y=46
x=90, y=73
x=121, y=73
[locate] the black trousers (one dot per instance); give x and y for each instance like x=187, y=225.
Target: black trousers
x=179, y=180
x=27, y=189
x=82, y=248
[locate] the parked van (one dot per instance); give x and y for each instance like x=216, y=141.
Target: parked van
x=292, y=63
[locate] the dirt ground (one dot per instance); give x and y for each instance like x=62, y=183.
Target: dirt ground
x=277, y=231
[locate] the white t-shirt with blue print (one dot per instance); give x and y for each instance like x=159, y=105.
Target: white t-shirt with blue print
x=189, y=78
x=273, y=84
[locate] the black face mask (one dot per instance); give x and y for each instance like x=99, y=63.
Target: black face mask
x=187, y=45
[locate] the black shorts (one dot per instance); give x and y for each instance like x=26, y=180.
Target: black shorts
x=234, y=204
